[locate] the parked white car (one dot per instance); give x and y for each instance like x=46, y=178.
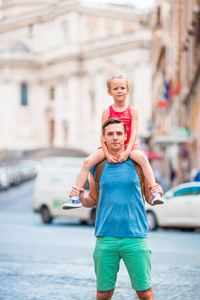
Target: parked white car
x=4, y=180
x=55, y=178
x=180, y=210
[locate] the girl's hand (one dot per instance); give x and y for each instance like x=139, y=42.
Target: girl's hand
x=156, y=189
x=77, y=192
x=123, y=156
x=111, y=159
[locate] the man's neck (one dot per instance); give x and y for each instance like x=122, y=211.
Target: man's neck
x=116, y=153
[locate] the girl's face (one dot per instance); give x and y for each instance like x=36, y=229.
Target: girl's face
x=118, y=89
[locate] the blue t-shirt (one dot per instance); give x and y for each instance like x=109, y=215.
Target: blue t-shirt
x=121, y=211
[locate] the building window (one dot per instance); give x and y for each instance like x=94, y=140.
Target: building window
x=30, y=31
x=52, y=93
x=110, y=27
x=158, y=17
x=127, y=27
x=91, y=24
x=65, y=25
x=24, y=94
x=51, y=131
x=92, y=102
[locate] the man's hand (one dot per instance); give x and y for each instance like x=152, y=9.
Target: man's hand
x=77, y=192
x=111, y=159
x=123, y=156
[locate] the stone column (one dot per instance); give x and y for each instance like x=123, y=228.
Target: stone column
x=100, y=105
x=142, y=95
x=59, y=133
x=85, y=113
x=74, y=106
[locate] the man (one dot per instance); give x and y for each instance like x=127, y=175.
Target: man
x=121, y=221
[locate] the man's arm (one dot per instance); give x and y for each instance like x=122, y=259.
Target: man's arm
x=90, y=200
x=148, y=191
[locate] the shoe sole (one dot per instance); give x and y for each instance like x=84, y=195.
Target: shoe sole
x=71, y=206
x=158, y=202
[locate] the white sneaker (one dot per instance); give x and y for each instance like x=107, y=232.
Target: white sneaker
x=157, y=199
x=72, y=204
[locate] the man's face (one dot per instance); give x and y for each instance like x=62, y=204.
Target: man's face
x=114, y=137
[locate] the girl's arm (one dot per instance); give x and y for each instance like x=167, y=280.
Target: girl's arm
x=111, y=159
x=133, y=136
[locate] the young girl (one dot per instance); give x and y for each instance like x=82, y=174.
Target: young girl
x=118, y=89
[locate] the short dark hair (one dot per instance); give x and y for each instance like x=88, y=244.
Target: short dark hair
x=112, y=121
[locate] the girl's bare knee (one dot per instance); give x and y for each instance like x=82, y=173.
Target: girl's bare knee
x=86, y=164
x=140, y=157
x=144, y=159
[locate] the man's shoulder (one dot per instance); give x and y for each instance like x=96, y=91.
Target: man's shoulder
x=94, y=169
x=99, y=167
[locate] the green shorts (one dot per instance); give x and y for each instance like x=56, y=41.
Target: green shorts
x=136, y=255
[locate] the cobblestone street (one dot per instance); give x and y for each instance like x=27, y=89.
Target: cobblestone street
x=55, y=261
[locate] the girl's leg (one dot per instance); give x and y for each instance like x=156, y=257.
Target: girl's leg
x=92, y=160
x=142, y=160
x=88, y=162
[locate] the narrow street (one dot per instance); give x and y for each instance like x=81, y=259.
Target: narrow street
x=54, y=262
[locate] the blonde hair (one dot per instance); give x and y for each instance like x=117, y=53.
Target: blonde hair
x=113, y=77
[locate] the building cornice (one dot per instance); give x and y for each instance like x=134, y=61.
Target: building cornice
x=65, y=7
x=22, y=64
x=140, y=39
x=104, y=49
x=86, y=54
x=12, y=4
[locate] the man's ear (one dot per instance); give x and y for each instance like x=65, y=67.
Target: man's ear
x=103, y=138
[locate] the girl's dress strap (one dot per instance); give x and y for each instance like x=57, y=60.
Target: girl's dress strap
x=111, y=111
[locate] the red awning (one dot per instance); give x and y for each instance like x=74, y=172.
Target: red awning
x=153, y=155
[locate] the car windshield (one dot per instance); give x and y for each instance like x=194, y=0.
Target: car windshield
x=192, y=190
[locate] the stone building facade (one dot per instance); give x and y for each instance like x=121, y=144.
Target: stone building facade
x=55, y=58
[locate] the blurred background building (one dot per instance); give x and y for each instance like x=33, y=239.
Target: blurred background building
x=56, y=56
x=176, y=86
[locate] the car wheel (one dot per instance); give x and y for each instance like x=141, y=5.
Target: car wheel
x=188, y=229
x=46, y=216
x=152, y=223
x=82, y=222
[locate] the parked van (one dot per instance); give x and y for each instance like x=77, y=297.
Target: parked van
x=54, y=181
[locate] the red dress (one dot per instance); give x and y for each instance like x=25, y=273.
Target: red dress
x=125, y=117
